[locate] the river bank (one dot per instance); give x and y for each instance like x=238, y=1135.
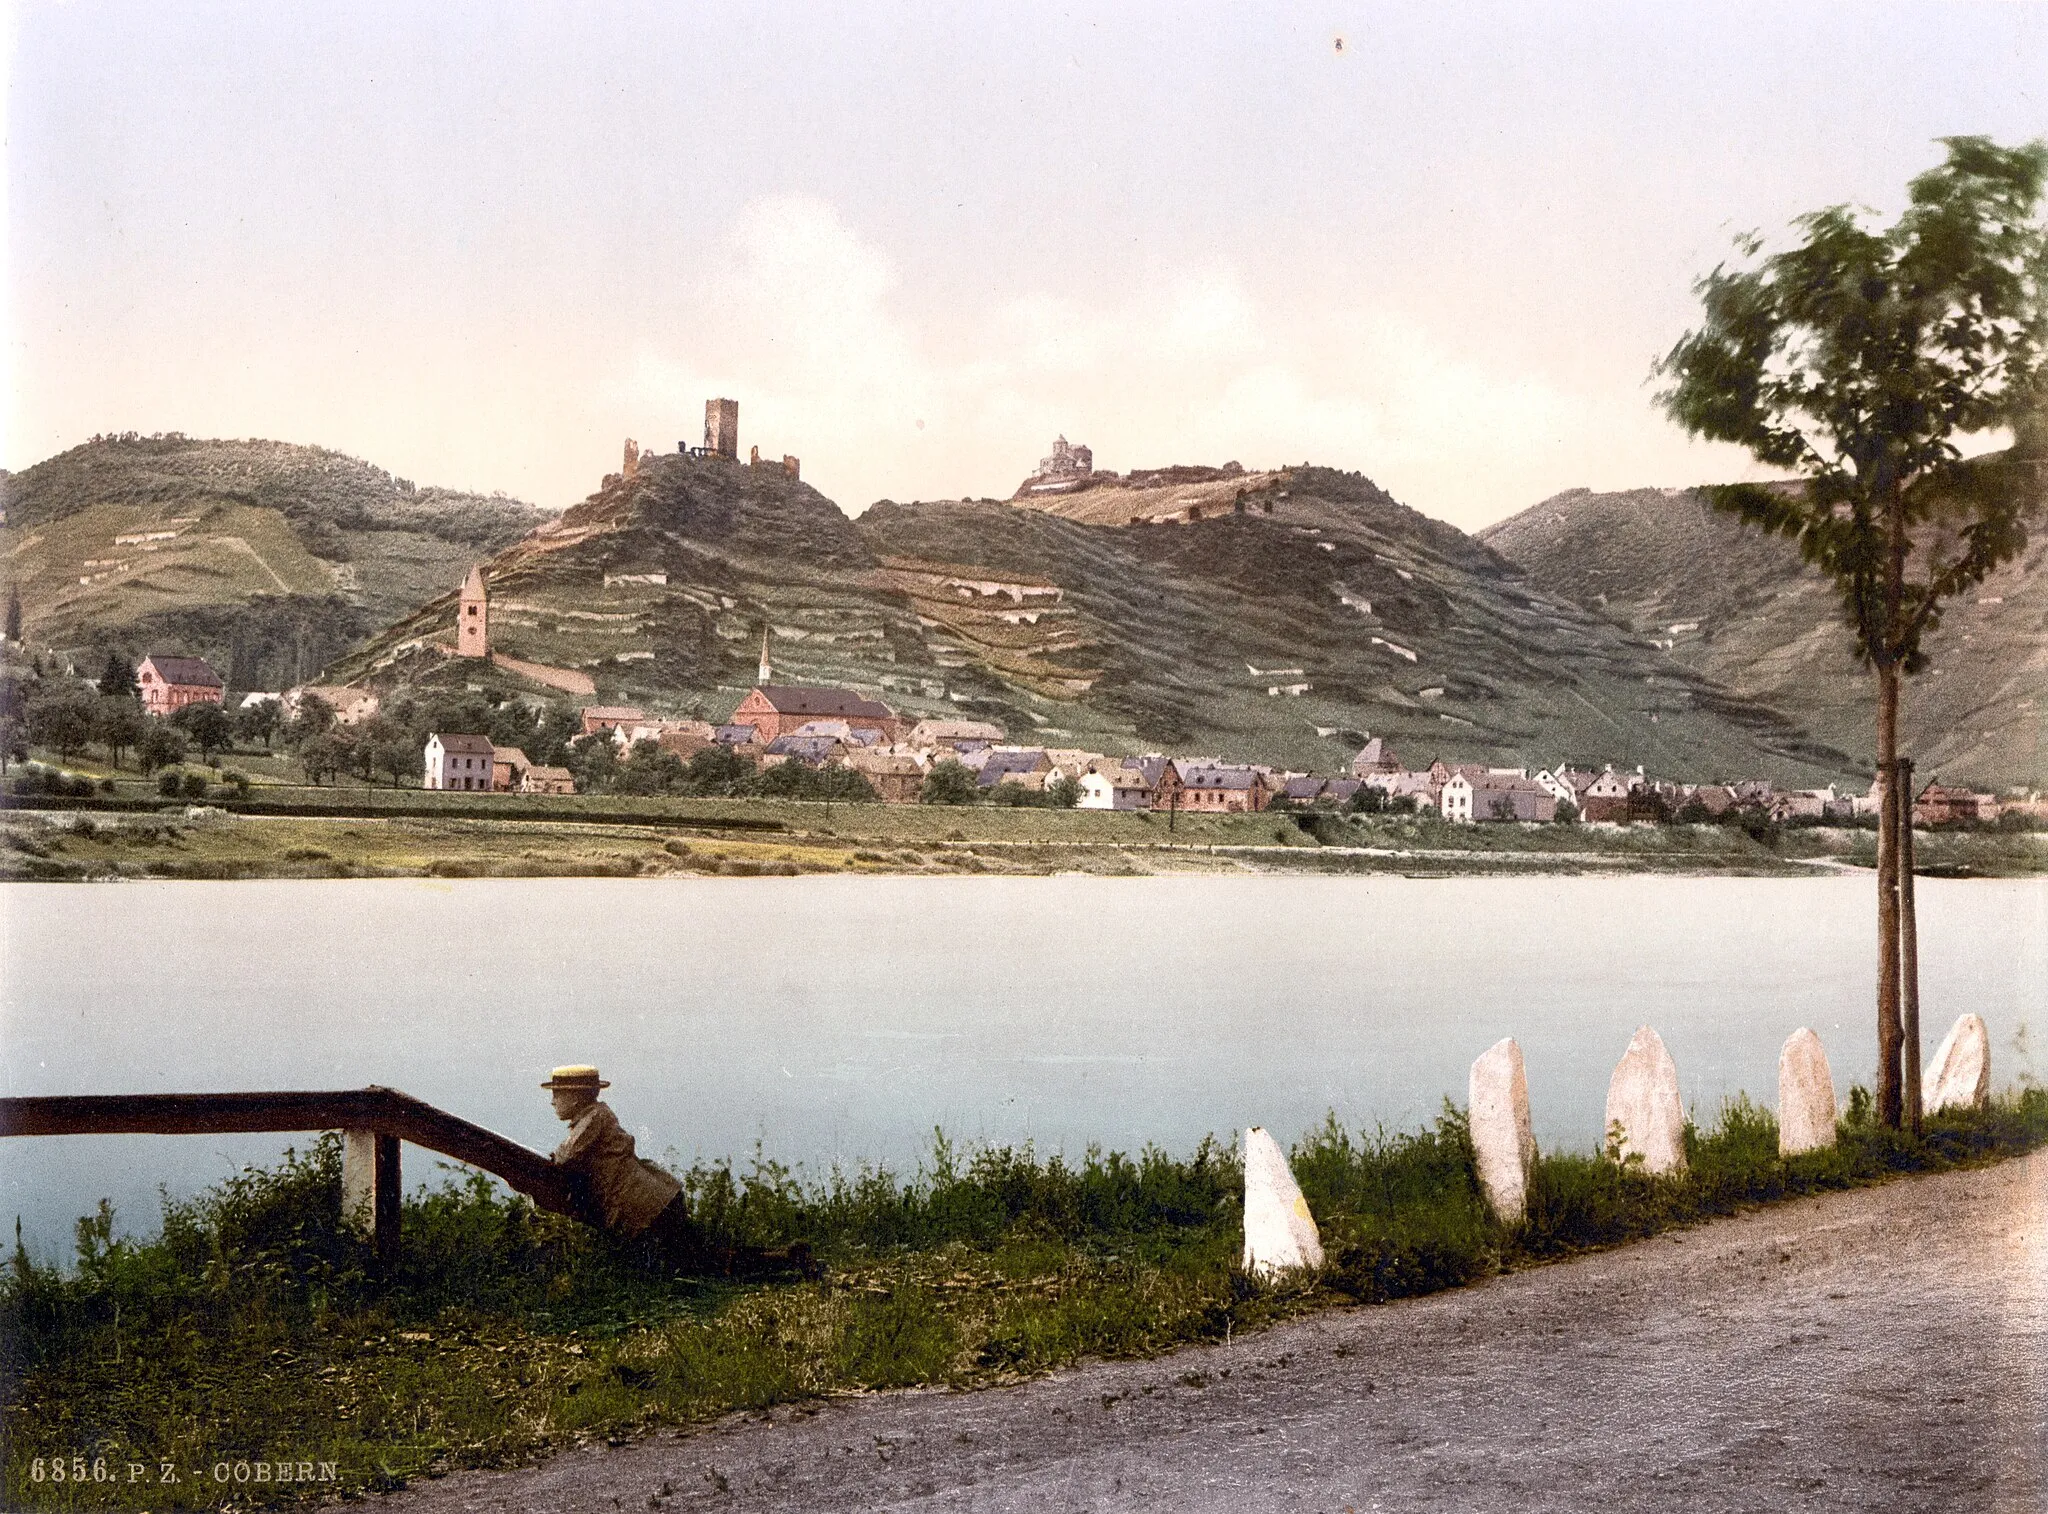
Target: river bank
x=399, y=836
x=254, y=1330
x=1884, y=1348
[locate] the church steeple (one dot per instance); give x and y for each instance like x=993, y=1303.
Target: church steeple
x=766, y=674
x=473, y=617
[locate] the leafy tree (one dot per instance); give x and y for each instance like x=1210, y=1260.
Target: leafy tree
x=61, y=718
x=118, y=676
x=649, y=770
x=207, y=725
x=323, y=757
x=1855, y=359
x=1063, y=792
x=159, y=746
x=595, y=762
x=1567, y=812
x=948, y=782
x=117, y=724
x=314, y=717
x=396, y=757
x=718, y=770
x=259, y=722
x=14, y=613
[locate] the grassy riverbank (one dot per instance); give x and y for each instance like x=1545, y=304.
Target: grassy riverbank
x=252, y=1329
x=406, y=833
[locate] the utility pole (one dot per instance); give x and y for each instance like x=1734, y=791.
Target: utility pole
x=1909, y=952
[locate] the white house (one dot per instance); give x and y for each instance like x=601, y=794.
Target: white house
x=1557, y=788
x=1456, y=799
x=1117, y=789
x=458, y=762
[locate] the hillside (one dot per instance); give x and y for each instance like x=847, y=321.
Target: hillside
x=269, y=559
x=1724, y=601
x=1320, y=610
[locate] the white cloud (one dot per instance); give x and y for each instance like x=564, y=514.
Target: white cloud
x=804, y=321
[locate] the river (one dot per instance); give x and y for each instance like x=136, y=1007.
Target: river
x=842, y=1019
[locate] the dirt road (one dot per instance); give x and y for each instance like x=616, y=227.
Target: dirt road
x=1884, y=1349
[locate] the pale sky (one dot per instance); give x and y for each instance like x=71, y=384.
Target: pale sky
x=483, y=244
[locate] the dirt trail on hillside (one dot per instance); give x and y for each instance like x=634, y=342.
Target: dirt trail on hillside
x=1883, y=1349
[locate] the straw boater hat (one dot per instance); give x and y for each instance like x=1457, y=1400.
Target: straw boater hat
x=576, y=1075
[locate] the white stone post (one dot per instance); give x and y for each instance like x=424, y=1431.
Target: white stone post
x=1279, y=1233
x=1503, y=1145
x=1806, y=1095
x=1643, y=1107
x=1960, y=1074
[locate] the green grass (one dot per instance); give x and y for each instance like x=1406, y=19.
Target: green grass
x=253, y=1327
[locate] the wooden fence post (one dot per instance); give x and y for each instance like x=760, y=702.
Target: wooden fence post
x=370, y=1187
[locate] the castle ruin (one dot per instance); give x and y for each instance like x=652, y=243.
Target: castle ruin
x=722, y=428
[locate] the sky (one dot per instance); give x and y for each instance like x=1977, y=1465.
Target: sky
x=482, y=244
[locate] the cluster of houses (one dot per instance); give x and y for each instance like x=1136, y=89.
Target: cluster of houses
x=779, y=723
x=816, y=726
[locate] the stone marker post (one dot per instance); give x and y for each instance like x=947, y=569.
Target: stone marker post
x=1279, y=1233
x=1960, y=1074
x=1643, y=1108
x=370, y=1189
x=1806, y=1095
x=1497, y=1104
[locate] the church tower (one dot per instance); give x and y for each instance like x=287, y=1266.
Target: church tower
x=473, y=617
x=766, y=675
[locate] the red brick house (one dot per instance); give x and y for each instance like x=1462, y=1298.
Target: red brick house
x=168, y=684
x=1211, y=788
x=778, y=709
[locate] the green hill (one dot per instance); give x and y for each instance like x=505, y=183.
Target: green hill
x=268, y=559
x=1721, y=600
x=1277, y=627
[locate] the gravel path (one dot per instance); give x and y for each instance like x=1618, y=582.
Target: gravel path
x=1883, y=1349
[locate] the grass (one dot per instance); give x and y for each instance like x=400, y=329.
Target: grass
x=254, y=1328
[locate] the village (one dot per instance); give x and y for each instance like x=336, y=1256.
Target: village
x=881, y=756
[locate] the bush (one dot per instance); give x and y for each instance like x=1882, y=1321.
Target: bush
x=195, y=785
x=170, y=783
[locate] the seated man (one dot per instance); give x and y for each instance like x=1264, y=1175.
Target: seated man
x=636, y=1198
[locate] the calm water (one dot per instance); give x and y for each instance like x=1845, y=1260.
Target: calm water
x=842, y=1019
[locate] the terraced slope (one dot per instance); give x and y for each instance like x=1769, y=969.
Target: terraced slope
x=268, y=559
x=1324, y=609
x=1723, y=601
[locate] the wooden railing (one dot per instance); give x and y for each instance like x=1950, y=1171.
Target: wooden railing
x=373, y=1122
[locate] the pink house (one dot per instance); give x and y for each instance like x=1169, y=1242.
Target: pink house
x=168, y=684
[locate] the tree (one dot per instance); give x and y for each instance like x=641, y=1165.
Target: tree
x=322, y=757
x=159, y=746
x=1854, y=360
x=1063, y=792
x=14, y=613
x=117, y=724
x=208, y=726
x=61, y=718
x=259, y=721
x=118, y=676
x=948, y=782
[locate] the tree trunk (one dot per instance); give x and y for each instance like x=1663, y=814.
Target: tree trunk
x=1909, y=952
x=1889, y=1033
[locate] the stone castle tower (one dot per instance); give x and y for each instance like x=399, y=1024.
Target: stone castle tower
x=722, y=428
x=473, y=617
